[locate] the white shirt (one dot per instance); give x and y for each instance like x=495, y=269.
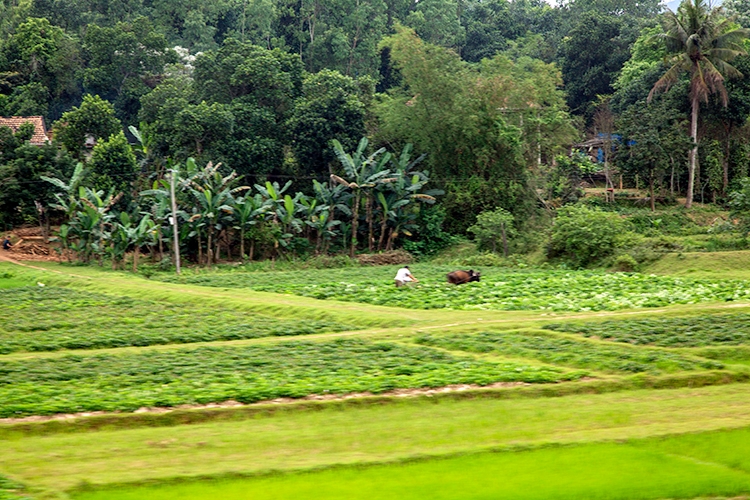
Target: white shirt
x=403, y=274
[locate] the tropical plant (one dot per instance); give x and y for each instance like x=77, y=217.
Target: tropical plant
x=702, y=43
x=362, y=173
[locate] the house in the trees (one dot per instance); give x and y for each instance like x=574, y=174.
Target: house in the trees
x=40, y=132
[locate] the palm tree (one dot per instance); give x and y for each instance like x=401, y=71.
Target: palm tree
x=702, y=42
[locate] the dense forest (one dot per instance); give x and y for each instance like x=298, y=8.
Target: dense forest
x=347, y=123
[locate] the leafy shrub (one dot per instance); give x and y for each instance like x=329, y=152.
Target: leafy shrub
x=494, y=228
x=583, y=236
x=625, y=263
x=430, y=237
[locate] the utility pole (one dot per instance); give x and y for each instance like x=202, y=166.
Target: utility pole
x=176, y=245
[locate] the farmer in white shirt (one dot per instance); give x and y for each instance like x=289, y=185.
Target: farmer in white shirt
x=404, y=276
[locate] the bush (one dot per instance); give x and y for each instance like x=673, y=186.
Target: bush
x=583, y=236
x=626, y=263
x=430, y=238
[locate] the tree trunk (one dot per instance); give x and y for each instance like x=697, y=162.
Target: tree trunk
x=383, y=227
x=725, y=164
x=693, y=152
x=200, y=249
x=242, y=243
x=370, y=237
x=135, y=259
x=355, y=224
x=252, y=250
x=651, y=191
x=209, y=247
x=505, y=241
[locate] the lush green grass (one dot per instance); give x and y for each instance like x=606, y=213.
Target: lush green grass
x=593, y=471
x=11, y=490
x=51, y=318
x=711, y=265
x=366, y=433
x=563, y=350
x=500, y=289
x=11, y=279
x=247, y=374
x=689, y=331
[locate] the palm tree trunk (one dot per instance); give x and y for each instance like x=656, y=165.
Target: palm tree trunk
x=200, y=249
x=693, y=152
x=355, y=224
x=370, y=237
x=383, y=227
x=135, y=259
x=242, y=243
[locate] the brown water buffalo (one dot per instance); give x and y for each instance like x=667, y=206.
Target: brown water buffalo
x=459, y=277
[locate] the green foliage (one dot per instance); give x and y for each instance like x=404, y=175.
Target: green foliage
x=330, y=107
x=430, y=237
x=626, y=263
x=11, y=490
x=95, y=117
x=688, y=331
x=21, y=170
x=583, y=236
x=563, y=181
x=499, y=289
x=126, y=382
x=113, y=165
x=445, y=107
x=51, y=318
x=740, y=205
x=120, y=59
x=592, y=55
x=563, y=350
x=494, y=227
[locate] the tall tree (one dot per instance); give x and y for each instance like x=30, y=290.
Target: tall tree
x=702, y=43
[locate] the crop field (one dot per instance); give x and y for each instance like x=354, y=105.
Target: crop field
x=34, y=318
x=498, y=290
x=226, y=383
x=690, y=331
x=572, y=352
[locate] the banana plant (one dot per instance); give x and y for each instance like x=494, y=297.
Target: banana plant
x=324, y=225
x=249, y=211
x=144, y=233
x=213, y=194
x=362, y=174
x=68, y=200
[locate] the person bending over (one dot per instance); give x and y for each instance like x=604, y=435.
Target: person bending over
x=404, y=276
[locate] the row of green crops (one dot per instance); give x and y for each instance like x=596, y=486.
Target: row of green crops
x=692, y=331
x=499, y=289
x=563, y=350
x=74, y=383
x=51, y=318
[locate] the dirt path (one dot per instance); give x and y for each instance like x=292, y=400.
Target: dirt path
x=5, y=258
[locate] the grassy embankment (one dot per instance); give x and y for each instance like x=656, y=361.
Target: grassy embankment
x=58, y=455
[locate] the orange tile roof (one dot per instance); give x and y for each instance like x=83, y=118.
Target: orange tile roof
x=40, y=134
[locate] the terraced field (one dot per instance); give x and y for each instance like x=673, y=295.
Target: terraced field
x=211, y=385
